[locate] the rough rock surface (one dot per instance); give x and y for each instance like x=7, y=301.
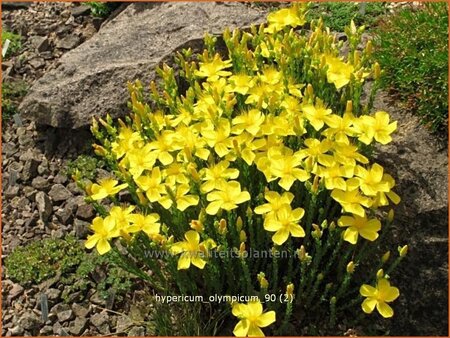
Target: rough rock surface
x=419, y=165
x=91, y=79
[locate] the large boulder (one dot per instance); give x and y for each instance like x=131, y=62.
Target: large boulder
x=91, y=79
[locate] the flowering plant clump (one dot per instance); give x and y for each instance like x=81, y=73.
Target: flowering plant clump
x=248, y=178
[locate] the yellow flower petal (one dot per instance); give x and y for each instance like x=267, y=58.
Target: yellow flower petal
x=241, y=328
x=368, y=305
x=103, y=246
x=266, y=319
x=385, y=310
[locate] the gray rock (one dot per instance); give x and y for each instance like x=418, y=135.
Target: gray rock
x=123, y=323
x=29, y=192
x=47, y=330
x=40, y=43
x=80, y=10
x=60, y=179
x=136, y=331
x=44, y=205
x=97, y=299
x=64, y=316
x=73, y=188
x=69, y=42
x=11, y=191
x=59, y=330
x=29, y=321
x=9, y=5
x=53, y=294
x=99, y=319
x=80, y=310
x=78, y=326
x=15, y=291
x=59, y=193
x=85, y=211
x=36, y=63
x=81, y=228
x=30, y=169
x=64, y=215
x=90, y=79
x=40, y=183
x=17, y=331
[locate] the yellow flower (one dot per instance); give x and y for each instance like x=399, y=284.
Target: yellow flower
x=140, y=159
x=316, y=115
x=217, y=175
x=219, y=138
x=340, y=128
x=351, y=201
x=347, y=154
x=106, y=187
x=181, y=198
x=258, y=95
x=285, y=222
x=151, y=185
x=192, y=251
x=127, y=140
x=250, y=122
x=376, y=127
x=382, y=197
x=146, y=223
x=164, y=144
x=192, y=143
x=338, y=72
x=240, y=83
x=378, y=297
x=252, y=319
x=214, y=69
x=282, y=18
x=227, y=197
x=120, y=216
x=104, y=229
x=285, y=166
x=366, y=228
x=371, y=181
x=275, y=202
x=334, y=175
x=315, y=151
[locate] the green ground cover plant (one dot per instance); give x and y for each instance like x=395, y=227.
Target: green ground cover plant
x=337, y=15
x=253, y=182
x=66, y=259
x=12, y=93
x=15, y=42
x=412, y=48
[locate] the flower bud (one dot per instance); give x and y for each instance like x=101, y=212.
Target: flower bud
x=239, y=223
x=99, y=150
x=403, y=250
x=333, y=300
x=349, y=107
x=197, y=225
x=242, y=236
x=241, y=249
x=290, y=290
x=376, y=71
x=350, y=267
x=264, y=283
x=385, y=257
x=391, y=215
x=222, y=226
x=317, y=233
x=380, y=273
